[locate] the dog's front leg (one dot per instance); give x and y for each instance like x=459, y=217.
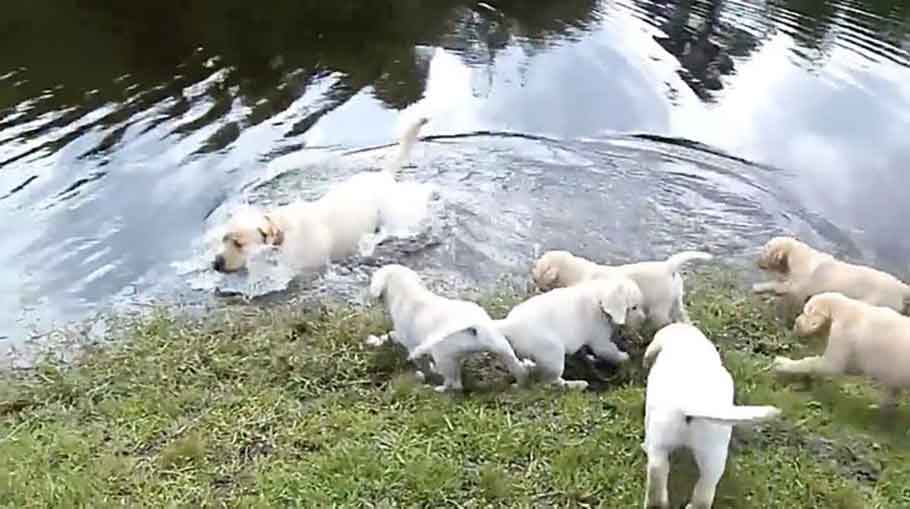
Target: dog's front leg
x=607, y=350
x=814, y=365
x=775, y=287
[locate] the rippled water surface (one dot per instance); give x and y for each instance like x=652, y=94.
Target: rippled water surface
x=618, y=129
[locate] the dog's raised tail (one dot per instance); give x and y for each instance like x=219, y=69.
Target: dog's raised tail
x=406, y=143
x=734, y=414
x=679, y=259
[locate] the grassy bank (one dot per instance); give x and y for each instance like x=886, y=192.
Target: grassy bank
x=269, y=408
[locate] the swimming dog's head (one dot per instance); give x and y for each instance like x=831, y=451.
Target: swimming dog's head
x=247, y=230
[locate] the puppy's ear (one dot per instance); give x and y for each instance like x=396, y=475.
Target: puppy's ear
x=615, y=305
x=377, y=283
x=779, y=259
x=272, y=234
x=548, y=278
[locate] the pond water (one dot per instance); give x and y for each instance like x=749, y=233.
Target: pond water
x=617, y=129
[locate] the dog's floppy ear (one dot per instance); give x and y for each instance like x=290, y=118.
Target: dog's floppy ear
x=779, y=258
x=378, y=281
x=817, y=315
x=271, y=233
x=615, y=304
x=547, y=278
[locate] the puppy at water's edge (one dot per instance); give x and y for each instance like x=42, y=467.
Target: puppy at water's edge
x=446, y=330
x=660, y=281
x=689, y=403
x=801, y=271
x=309, y=234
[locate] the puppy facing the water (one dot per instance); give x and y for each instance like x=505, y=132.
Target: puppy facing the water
x=445, y=329
x=802, y=271
x=310, y=234
x=660, y=282
x=549, y=326
x=689, y=403
x=862, y=339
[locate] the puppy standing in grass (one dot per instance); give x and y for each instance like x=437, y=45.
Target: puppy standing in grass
x=689, y=403
x=310, y=234
x=862, y=339
x=660, y=282
x=549, y=326
x=803, y=272
x=445, y=329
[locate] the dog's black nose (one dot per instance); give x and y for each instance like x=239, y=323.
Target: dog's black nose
x=218, y=264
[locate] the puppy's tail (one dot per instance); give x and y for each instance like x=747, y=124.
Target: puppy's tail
x=405, y=143
x=733, y=414
x=676, y=261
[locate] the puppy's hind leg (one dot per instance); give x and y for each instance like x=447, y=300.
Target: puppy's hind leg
x=656, y=494
x=711, y=459
x=551, y=372
x=450, y=369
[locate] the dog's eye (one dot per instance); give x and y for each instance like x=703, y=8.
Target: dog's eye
x=634, y=308
x=237, y=243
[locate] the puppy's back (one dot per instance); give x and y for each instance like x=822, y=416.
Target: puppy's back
x=881, y=337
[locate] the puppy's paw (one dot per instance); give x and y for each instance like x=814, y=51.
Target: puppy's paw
x=576, y=385
x=780, y=364
x=440, y=388
x=528, y=364
x=374, y=340
x=622, y=358
x=420, y=376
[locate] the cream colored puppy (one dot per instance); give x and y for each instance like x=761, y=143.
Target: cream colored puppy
x=803, y=271
x=689, y=403
x=548, y=327
x=445, y=329
x=310, y=234
x=660, y=282
x=863, y=339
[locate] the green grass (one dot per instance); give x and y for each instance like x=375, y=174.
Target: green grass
x=287, y=408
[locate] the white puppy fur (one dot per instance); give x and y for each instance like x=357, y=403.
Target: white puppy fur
x=862, y=339
x=548, y=327
x=445, y=329
x=689, y=403
x=309, y=234
x=802, y=271
x=660, y=282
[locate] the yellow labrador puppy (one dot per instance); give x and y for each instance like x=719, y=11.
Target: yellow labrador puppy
x=660, y=282
x=863, y=339
x=310, y=234
x=548, y=327
x=689, y=403
x=803, y=271
x=445, y=329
